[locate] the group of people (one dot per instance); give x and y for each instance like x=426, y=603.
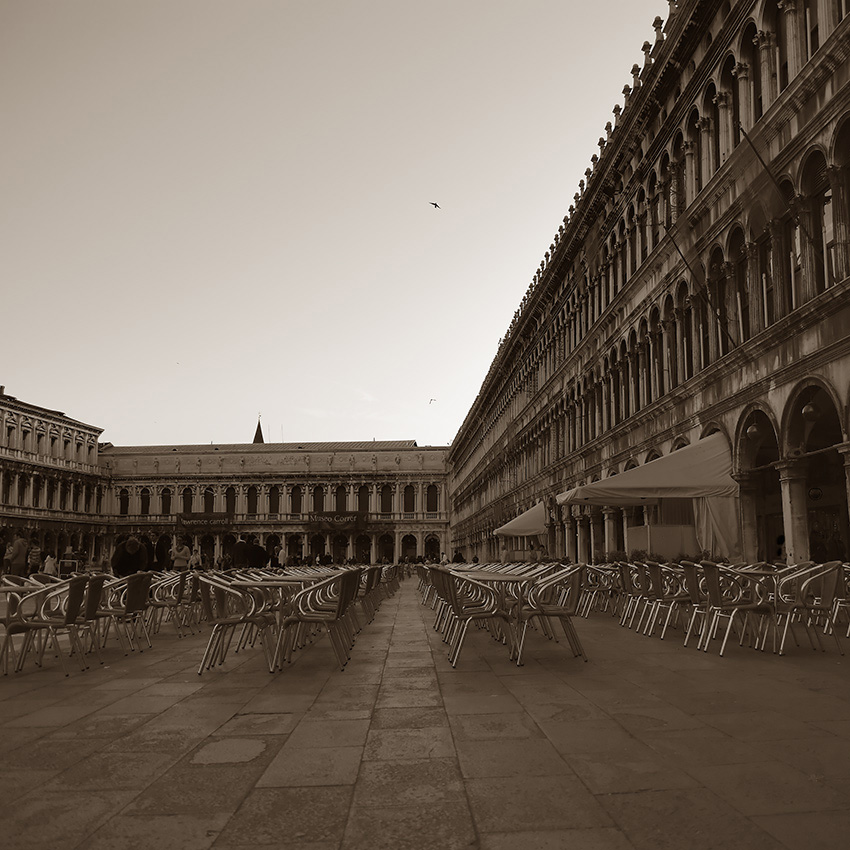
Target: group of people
x=23, y=557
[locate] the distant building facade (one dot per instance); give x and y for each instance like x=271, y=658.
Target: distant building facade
x=367, y=501
x=700, y=283
x=51, y=483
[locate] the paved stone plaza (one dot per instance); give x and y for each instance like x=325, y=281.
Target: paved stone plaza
x=649, y=745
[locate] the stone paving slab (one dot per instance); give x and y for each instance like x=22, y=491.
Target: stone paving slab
x=649, y=745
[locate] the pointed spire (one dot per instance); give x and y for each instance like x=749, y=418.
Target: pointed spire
x=258, y=434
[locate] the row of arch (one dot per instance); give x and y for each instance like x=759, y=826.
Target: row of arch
x=300, y=500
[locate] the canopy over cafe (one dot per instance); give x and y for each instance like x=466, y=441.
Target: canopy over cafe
x=688, y=501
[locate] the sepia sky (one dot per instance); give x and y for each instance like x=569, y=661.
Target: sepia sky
x=211, y=209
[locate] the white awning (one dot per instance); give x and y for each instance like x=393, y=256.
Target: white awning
x=533, y=521
x=701, y=469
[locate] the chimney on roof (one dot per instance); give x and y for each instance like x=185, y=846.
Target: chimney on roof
x=258, y=434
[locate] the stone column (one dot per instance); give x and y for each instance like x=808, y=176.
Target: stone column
x=793, y=485
x=766, y=44
x=745, y=105
x=754, y=289
x=794, y=35
x=749, y=484
x=810, y=264
x=597, y=534
x=724, y=114
x=583, y=523
x=708, y=165
x=570, y=528
x=610, y=521
x=691, y=182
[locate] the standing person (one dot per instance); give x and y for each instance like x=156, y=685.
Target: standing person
x=7, y=557
x=257, y=555
x=195, y=560
x=18, y=556
x=34, y=558
x=180, y=555
x=129, y=557
x=240, y=552
x=50, y=568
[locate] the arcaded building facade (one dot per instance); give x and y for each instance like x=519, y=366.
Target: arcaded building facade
x=366, y=501
x=51, y=483
x=698, y=284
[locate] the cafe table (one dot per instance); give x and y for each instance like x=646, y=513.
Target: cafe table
x=517, y=582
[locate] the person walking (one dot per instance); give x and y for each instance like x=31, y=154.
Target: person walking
x=18, y=555
x=240, y=552
x=180, y=555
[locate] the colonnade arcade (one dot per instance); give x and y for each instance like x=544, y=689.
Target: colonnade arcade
x=267, y=499
x=793, y=471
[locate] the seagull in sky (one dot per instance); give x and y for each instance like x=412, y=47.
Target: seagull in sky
x=433, y=399
x=435, y=205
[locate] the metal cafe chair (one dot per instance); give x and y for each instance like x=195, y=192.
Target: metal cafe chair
x=57, y=610
x=556, y=597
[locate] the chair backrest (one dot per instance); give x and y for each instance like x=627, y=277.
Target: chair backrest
x=76, y=591
x=94, y=593
x=138, y=591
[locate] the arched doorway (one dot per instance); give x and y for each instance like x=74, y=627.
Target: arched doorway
x=363, y=549
x=340, y=548
x=386, y=548
x=432, y=547
x=317, y=545
x=208, y=549
x=762, y=529
x=816, y=518
x=272, y=542
x=227, y=544
x=408, y=547
x=294, y=546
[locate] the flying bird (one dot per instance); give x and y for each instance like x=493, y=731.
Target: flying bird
x=433, y=399
x=435, y=205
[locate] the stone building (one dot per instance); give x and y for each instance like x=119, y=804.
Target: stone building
x=51, y=484
x=361, y=500
x=698, y=285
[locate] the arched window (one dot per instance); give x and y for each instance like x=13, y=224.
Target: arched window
x=789, y=259
x=187, y=500
x=209, y=500
x=731, y=100
x=818, y=194
x=165, y=502
x=752, y=60
x=694, y=178
x=774, y=21
x=318, y=498
x=295, y=500
x=363, y=499
x=252, y=500
x=36, y=491
x=386, y=499
x=123, y=501
x=710, y=111
x=810, y=22
x=719, y=300
x=738, y=258
x=274, y=500
x=652, y=191
x=145, y=502
x=432, y=498
x=409, y=499
x=341, y=498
